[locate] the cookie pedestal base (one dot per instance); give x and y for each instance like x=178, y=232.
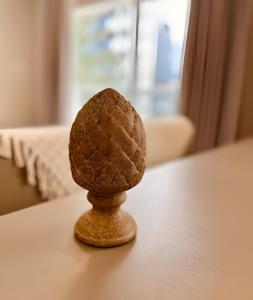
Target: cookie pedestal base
x=105, y=225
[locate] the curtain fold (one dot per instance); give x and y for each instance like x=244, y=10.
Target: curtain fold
x=214, y=68
x=52, y=89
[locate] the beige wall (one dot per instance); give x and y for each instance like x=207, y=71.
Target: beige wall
x=246, y=119
x=17, y=40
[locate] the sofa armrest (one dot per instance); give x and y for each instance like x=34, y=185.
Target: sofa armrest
x=15, y=193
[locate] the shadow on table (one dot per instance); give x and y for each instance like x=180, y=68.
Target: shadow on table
x=96, y=280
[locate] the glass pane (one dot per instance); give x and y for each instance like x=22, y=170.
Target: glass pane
x=162, y=25
x=143, y=67
x=103, y=49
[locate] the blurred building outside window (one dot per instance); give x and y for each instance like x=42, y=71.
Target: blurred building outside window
x=133, y=46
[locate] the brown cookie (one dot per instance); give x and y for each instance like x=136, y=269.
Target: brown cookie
x=107, y=145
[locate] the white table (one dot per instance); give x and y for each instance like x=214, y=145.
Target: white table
x=195, y=239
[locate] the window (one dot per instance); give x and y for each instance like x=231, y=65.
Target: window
x=133, y=46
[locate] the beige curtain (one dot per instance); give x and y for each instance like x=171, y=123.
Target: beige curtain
x=52, y=89
x=214, y=68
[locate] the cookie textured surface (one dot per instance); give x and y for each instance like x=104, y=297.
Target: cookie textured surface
x=107, y=145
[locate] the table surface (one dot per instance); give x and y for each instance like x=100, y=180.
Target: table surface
x=194, y=239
